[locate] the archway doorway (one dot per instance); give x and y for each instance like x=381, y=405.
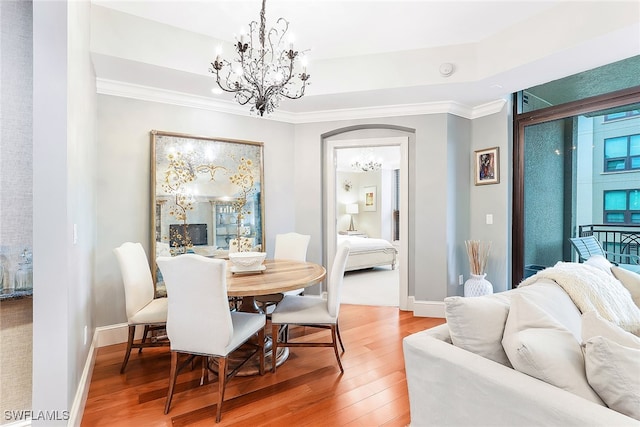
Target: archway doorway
x=381, y=224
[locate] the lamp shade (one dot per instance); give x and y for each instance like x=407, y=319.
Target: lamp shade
x=352, y=208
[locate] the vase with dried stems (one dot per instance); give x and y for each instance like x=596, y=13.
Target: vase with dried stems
x=478, y=253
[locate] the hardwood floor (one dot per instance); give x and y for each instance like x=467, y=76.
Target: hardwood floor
x=307, y=390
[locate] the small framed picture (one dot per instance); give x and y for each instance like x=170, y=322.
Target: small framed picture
x=370, y=200
x=487, y=170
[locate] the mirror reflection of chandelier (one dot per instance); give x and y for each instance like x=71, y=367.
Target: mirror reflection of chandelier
x=265, y=71
x=366, y=163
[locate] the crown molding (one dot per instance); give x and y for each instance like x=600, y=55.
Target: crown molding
x=152, y=94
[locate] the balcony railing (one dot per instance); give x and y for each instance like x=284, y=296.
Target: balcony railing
x=615, y=239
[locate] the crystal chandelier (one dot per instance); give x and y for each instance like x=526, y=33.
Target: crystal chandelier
x=264, y=71
x=366, y=166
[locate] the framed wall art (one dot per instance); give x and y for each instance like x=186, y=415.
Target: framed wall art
x=370, y=199
x=487, y=166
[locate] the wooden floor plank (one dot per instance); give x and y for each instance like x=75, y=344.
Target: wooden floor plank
x=307, y=389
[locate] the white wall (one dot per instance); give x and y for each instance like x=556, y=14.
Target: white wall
x=494, y=131
x=124, y=180
x=441, y=188
x=345, y=197
x=370, y=221
x=64, y=163
x=459, y=185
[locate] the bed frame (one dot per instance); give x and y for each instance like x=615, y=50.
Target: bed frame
x=371, y=258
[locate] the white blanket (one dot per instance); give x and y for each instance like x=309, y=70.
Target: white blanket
x=591, y=288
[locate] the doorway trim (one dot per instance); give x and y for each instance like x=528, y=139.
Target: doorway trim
x=330, y=214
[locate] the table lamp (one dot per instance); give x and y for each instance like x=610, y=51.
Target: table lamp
x=352, y=209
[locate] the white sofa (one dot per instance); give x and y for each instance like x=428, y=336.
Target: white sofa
x=474, y=384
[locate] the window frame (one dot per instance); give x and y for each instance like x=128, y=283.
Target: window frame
x=627, y=115
x=626, y=212
x=628, y=164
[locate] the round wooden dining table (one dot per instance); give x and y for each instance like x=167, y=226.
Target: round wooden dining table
x=278, y=276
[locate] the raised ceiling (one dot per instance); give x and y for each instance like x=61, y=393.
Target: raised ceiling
x=368, y=56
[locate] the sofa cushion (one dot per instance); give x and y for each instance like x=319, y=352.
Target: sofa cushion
x=539, y=346
x=476, y=324
x=613, y=371
x=549, y=296
x=629, y=280
x=595, y=325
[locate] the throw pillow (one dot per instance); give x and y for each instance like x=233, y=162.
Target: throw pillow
x=600, y=262
x=613, y=371
x=539, y=346
x=476, y=325
x=595, y=325
x=629, y=280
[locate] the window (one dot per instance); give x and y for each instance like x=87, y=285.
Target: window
x=621, y=115
x=622, y=153
x=622, y=207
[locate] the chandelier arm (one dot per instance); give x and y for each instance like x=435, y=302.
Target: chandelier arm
x=228, y=88
x=248, y=73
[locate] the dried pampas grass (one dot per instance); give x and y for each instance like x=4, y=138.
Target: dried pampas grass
x=478, y=253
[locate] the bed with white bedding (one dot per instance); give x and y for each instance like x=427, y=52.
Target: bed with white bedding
x=367, y=252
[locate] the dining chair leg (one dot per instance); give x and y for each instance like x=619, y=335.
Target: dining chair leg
x=172, y=380
x=335, y=346
x=339, y=337
x=222, y=382
x=204, y=371
x=132, y=332
x=275, y=331
x=261, y=349
x=144, y=337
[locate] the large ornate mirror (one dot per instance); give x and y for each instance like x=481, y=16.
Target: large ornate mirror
x=207, y=196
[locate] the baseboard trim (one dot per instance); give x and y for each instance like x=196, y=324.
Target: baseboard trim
x=115, y=334
x=428, y=309
x=80, y=399
x=102, y=337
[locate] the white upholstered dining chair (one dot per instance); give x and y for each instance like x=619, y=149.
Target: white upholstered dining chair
x=141, y=307
x=199, y=322
x=292, y=246
x=313, y=311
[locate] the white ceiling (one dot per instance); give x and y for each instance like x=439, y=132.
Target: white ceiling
x=368, y=54
x=334, y=29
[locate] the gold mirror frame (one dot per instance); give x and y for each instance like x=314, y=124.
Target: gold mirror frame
x=205, y=193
